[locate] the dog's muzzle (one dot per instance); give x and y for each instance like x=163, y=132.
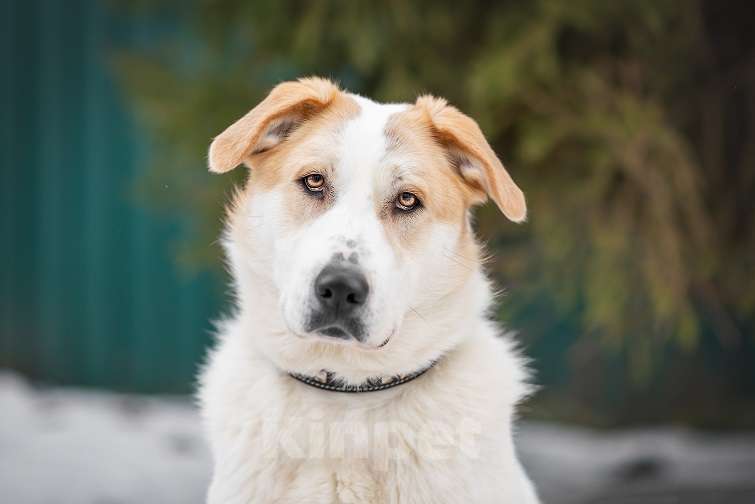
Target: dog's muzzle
x=340, y=293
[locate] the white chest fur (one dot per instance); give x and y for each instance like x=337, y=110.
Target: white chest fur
x=443, y=438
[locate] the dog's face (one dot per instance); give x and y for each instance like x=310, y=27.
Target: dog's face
x=356, y=213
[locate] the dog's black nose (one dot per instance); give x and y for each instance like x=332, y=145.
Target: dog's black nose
x=341, y=290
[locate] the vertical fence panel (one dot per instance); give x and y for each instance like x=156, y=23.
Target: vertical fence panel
x=51, y=184
x=24, y=241
x=7, y=180
x=99, y=194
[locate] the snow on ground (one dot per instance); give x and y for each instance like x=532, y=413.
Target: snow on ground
x=661, y=465
x=69, y=446
x=82, y=447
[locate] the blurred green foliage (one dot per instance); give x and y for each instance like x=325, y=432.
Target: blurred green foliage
x=628, y=124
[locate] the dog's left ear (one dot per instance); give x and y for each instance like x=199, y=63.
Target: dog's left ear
x=269, y=123
x=471, y=154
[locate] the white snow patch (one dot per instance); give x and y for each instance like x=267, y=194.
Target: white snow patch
x=71, y=446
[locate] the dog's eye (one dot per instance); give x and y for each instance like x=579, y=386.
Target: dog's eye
x=314, y=182
x=407, y=201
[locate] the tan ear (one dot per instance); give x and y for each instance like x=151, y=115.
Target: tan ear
x=470, y=152
x=270, y=122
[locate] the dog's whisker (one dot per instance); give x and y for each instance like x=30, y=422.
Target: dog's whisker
x=461, y=258
x=465, y=266
x=419, y=315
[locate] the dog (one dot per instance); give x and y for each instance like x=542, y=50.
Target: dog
x=359, y=365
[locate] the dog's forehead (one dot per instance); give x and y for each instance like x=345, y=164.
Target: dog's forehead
x=364, y=141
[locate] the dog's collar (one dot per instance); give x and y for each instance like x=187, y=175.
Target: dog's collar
x=332, y=382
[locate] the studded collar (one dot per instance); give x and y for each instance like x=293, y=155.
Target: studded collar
x=332, y=382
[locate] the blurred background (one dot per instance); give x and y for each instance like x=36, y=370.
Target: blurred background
x=630, y=126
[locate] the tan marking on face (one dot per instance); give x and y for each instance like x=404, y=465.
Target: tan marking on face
x=478, y=164
x=307, y=150
x=429, y=174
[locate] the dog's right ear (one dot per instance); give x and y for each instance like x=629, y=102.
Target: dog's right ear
x=269, y=123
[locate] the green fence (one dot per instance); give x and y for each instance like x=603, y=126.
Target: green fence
x=89, y=292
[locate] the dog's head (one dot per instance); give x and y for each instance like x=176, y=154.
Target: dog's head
x=354, y=223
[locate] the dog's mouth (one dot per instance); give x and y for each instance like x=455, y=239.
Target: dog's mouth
x=337, y=335
x=335, y=332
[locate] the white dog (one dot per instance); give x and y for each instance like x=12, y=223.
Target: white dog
x=359, y=365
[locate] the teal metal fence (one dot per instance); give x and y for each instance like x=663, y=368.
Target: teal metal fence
x=89, y=292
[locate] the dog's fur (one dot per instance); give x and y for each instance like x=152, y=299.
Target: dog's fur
x=445, y=437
